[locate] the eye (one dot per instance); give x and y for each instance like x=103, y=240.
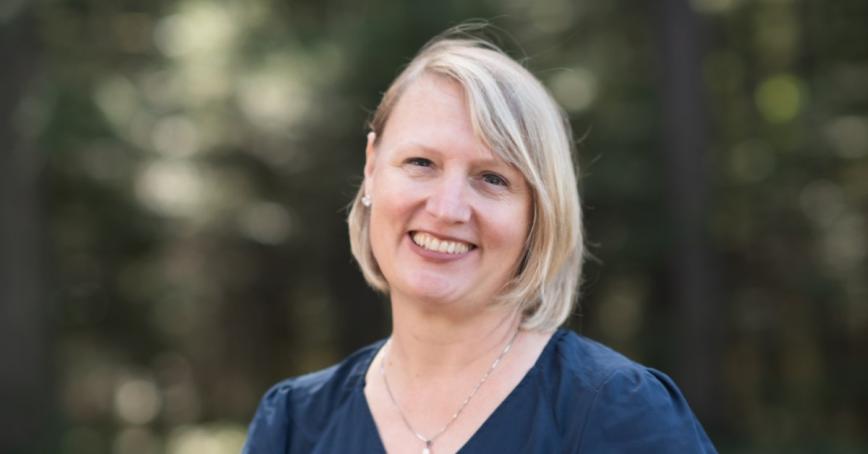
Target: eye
x=494, y=179
x=421, y=162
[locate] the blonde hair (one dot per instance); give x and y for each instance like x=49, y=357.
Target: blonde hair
x=514, y=115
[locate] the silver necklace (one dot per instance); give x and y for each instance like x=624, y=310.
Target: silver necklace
x=430, y=441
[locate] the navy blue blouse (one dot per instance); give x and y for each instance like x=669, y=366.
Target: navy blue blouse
x=579, y=397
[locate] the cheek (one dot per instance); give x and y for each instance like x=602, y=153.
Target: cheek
x=397, y=194
x=392, y=205
x=509, y=229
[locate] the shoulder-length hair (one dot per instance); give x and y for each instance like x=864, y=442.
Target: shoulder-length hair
x=514, y=116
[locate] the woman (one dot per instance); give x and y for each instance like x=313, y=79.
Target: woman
x=469, y=219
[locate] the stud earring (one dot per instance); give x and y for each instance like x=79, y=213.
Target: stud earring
x=366, y=201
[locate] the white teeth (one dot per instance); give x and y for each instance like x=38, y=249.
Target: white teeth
x=433, y=244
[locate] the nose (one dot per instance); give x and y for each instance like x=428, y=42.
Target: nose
x=448, y=200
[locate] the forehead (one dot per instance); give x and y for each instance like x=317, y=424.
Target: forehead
x=432, y=113
x=430, y=98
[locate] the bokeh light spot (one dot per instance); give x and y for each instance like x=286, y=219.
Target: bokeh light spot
x=222, y=439
x=137, y=401
x=265, y=222
x=272, y=101
x=117, y=98
x=575, y=89
x=171, y=188
x=849, y=135
x=780, y=98
x=201, y=28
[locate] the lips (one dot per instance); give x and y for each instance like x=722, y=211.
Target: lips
x=436, y=244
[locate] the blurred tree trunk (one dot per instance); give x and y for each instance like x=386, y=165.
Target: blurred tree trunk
x=685, y=140
x=24, y=388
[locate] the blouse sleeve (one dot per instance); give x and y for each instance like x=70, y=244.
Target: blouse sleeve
x=640, y=410
x=269, y=431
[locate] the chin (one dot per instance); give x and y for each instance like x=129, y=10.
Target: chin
x=434, y=289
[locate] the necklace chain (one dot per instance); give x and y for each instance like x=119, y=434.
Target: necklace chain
x=429, y=441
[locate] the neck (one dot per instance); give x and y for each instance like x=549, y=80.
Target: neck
x=430, y=344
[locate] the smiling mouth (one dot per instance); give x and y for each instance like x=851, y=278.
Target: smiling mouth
x=434, y=244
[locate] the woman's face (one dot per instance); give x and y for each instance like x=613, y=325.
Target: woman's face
x=449, y=219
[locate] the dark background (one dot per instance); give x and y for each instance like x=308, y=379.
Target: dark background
x=174, y=176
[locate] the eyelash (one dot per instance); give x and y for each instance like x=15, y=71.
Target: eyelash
x=490, y=178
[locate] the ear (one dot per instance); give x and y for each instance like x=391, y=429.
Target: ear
x=370, y=158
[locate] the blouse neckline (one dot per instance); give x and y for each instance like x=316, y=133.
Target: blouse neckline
x=525, y=381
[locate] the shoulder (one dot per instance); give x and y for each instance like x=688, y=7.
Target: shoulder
x=611, y=403
x=580, y=367
x=589, y=363
x=303, y=405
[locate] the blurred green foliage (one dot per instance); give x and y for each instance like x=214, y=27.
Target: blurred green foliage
x=196, y=158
